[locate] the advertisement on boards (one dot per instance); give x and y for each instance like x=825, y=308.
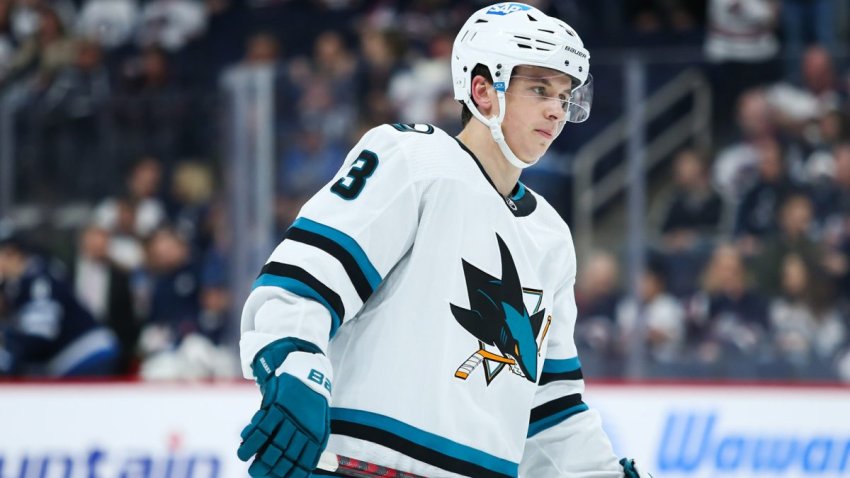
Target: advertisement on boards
x=735, y=431
x=123, y=431
x=137, y=430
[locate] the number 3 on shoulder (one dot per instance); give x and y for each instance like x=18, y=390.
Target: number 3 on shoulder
x=350, y=186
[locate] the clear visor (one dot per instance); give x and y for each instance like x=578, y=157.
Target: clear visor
x=575, y=103
x=581, y=99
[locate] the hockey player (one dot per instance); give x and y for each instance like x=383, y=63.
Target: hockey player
x=419, y=312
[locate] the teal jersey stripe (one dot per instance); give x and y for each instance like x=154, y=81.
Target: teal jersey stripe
x=551, y=421
x=427, y=439
x=347, y=243
x=301, y=289
x=561, y=366
x=520, y=192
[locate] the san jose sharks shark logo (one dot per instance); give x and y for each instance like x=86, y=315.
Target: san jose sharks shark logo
x=499, y=319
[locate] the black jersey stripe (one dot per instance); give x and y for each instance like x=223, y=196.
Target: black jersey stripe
x=555, y=406
x=349, y=263
x=289, y=271
x=554, y=412
x=419, y=452
x=554, y=377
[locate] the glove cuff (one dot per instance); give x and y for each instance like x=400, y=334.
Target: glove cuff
x=270, y=357
x=630, y=469
x=314, y=370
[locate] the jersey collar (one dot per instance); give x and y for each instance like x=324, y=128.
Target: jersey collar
x=521, y=202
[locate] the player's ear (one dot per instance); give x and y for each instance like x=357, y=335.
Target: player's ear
x=482, y=94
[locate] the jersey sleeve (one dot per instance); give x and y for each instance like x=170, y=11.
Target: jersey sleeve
x=337, y=252
x=565, y=436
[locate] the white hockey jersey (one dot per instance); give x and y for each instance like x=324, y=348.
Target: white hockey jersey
x=447, y=311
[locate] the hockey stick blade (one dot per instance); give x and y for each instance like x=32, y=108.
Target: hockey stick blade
x=351, y=467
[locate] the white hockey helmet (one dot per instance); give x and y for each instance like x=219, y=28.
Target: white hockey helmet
x=506, y=35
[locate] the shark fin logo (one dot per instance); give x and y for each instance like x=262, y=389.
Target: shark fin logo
x=499, y=319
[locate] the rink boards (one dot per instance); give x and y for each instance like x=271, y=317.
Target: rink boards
x=138, y=430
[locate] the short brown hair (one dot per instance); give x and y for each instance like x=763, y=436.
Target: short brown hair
x=481, y=70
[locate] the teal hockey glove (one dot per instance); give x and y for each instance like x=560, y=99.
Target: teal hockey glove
x=630, y=469
x=290, y=431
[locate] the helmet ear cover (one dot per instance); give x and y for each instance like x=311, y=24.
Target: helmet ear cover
x=479, y=70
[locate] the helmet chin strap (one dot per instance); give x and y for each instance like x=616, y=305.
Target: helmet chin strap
x=494, y=123
x=499, y=138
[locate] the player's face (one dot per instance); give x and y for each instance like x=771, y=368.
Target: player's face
x=536, y=103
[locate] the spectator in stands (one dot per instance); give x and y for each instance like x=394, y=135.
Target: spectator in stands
x=832, y=128
x=731, y=317
x=192, y=187
x=45, y=52
x=742, y=48
x=24, y=18
x=7, y=43
x=125, y=246
x=216, y=305
x=661, y=312
x=104, y=289
x=307, y=165
x=130, y=217
x=416, y=92
x=75, y=117
x=381, y=59
x=171, y=24
x=598, y=289
x=142, y=195
x=262, y=49
x=174, y=302
x=44, y=330
x=694, y=210
x=151, y=110
x=597, y=295
x=798, y=107
x=328, y=86
x=832, y=197
x=691, y=222
x=736, y=167
x=836, y=218
x=845, y=92
x=805, y=22
x=794, y=237
x=109, y=22
x=658, y=22
x=819, y=77
x=807, y=327
x=756, y=216
x=179, y=339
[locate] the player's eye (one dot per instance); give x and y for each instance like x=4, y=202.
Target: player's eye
x=539, y=90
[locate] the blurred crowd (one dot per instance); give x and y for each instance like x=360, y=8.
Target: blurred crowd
x=748, y=275
x=114, y=258
x=143, y=291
